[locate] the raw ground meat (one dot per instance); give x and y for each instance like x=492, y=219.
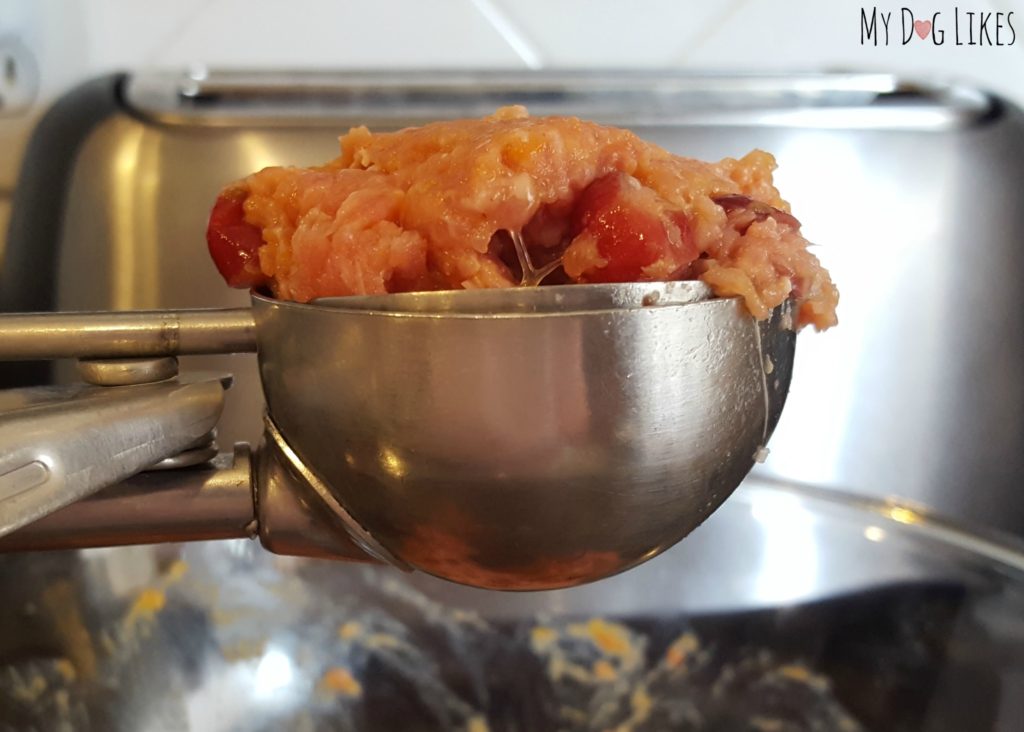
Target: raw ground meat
x=512, y=200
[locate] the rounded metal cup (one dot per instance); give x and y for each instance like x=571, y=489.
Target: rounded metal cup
x=529, y=438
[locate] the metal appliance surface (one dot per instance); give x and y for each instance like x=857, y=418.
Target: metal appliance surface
x=910, y=190
x=792, y=609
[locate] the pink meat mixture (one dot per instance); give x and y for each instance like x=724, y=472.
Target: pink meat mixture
x=512, y=200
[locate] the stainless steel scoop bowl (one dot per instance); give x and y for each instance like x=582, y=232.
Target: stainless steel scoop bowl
x=517, y=439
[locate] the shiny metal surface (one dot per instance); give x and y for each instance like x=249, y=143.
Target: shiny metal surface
x=796, y=595
x=187, y=458
x=528, y=300
x=192, y=504
x=58, y=445
x=886, y=404
x=236, y=495
x=549, y=445
x=130, y=335
x=278, y=458
x=273, y=99
x=125, y=371
x=292, y=518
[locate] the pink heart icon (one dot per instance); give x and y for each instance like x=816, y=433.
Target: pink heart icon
x=922, y=27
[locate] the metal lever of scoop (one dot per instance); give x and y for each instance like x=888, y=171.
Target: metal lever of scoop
x=60, y=444
x=208, y=502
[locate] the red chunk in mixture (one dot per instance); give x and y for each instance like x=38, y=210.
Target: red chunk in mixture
x=235, y=244
x=509, y=200
x=624, y=232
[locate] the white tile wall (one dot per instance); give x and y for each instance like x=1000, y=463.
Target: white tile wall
x=607, y=33
x=98, y=35
x=75, y=39
x=322, y=33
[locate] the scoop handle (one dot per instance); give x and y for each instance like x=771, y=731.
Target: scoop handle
x=144, y=333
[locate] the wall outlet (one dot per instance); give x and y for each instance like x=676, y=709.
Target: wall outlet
x=19, y=76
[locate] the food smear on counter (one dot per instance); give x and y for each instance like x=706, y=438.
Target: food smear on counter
x=513, y=200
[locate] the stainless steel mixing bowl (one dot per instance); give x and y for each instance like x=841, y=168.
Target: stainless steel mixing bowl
x=793, y=609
